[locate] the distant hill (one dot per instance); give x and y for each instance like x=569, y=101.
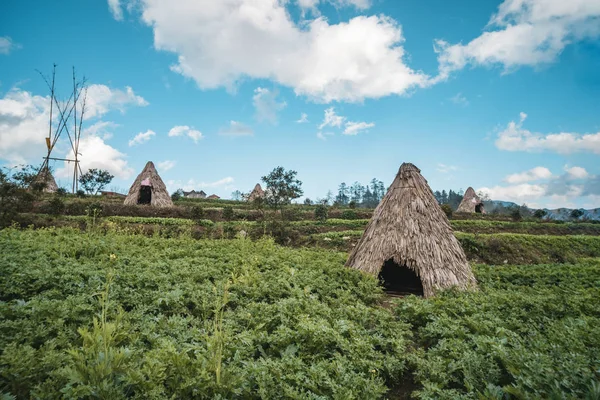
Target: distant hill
x=559, y=214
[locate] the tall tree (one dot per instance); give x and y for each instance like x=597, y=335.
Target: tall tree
x=94, y=180
x=282, y=187
x=342, y=196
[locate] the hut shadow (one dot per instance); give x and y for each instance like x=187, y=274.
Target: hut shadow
x=398, y=280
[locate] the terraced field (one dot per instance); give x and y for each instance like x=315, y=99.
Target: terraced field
x=170, y=307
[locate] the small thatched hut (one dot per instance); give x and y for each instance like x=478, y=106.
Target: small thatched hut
x=45, y=178
x=409, y=243
x=471, y=203
x=213, y=197
x=149, y=189
x=256, y=193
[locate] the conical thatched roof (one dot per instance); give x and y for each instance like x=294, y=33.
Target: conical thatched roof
x=45, y=176
x=410, y=228
x=149, y=178
x=470, y=202
x=256, y=193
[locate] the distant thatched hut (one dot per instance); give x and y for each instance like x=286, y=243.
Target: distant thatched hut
x=149, y=189
x=256, y=193
x=471, y=203
x=44, y=178
x=213, y=197
x=409, y=243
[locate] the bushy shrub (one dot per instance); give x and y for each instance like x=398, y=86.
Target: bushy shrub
x=349, y=214
x=56, y=206
x=321, y=213
x=228, y=213
x=197, y=213
x=515, y=214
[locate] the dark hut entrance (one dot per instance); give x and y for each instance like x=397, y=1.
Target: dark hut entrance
x=145, y=196
x=479, y=208
x=399, y=280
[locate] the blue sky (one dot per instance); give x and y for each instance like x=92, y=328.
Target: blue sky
x=503, y=96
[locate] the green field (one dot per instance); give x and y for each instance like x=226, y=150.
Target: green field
x=110, y=313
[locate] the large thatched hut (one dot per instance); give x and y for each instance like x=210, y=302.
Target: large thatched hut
x=149, y=189
x=409, y=243
x=471, y=203
x=256, y=193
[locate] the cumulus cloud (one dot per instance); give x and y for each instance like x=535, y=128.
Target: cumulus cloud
x=515, y=138
x=266, y=105
x=115, y=9
x=533, y=174
x=312, y=5
x=142, y=137
x=353, y=128
x=101, y=99
x=166, y=165
x=102, y=129
x=7, y=45
x=576, y=172
x=562, y=190
x=523, y=33
x=184, y=130
x=323, y=135
x=236, y=129
x=218, y=43
x=96, y=153
x=303, y=118
x=24, y=126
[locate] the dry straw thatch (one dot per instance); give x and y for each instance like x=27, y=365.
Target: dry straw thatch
x=471, y=203
x=148, y=181
x=45, y=176
x=256, y=193
x=410, y=228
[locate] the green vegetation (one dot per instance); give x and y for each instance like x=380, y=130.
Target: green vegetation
x=531, y=332
x=115, y=316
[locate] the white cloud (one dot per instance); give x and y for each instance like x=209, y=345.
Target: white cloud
x=218, y=43
x=142, y=137
x=235, y=129
x=332, y=119
x=166, y=165
x=266, y=105
x=524, y=33
x=101, y=99
x=515, y=138
x=518, y=193
x=95, y=153
x=7, y=45
x=311, y=5
x=184, y=130
x=23, y=126
x=353, y=128
x=533, y=174
x=460, y=100
x=576, y=172
x=192, y=184
x=445, y=169
x=303, y=118
x=102, y=129
x=24, y=121
x=115, y=9
x=576, y=185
